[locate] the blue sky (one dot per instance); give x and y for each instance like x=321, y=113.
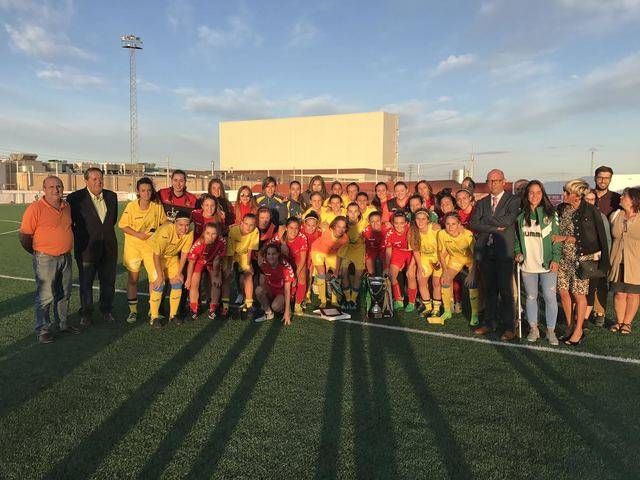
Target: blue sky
x=530, y=86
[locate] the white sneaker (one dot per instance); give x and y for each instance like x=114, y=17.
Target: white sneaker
x=265, y=317
x=534, y=334
x=551, y=336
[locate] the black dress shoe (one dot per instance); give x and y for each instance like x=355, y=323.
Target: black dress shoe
x=45, y=337
x=573, y=344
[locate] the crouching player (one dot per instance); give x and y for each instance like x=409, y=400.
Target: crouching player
x=294, y=248
x=165, y=259
x=399, y=258
x=325, y=256
x=353, y=255
x=424, y=242
x=206, y=255
x=373, y=236
x=455, y=251
x=276, y=284
x=244, y=239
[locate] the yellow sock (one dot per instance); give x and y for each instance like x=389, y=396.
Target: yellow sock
x=354, y=295
x=133, y=305
x=322, y=289
x=347, y=294
x=334, y=298
x=154, y=304
x=474, y=300
x=174, y=301
x=248, y=302
x=447, y=298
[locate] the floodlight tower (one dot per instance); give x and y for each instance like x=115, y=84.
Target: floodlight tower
x=133, y=43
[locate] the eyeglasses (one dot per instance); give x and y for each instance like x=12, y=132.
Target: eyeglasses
x=602, y=178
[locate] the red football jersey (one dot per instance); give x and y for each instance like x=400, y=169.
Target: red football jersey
x=277, y=276
x=204, y=254
x=373, y=240
x=199, y=221
x=397, y=241
x=172, y=204
x=295, y=246
x=312, y=237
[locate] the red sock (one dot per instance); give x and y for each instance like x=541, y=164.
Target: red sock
x=301, y=292
x=194, y=307
x=213, y=307
x=412, y=293
x=397, y=294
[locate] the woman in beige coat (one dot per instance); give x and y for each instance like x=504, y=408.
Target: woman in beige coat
x=625, y=260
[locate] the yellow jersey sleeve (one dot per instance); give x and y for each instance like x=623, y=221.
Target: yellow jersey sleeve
x=125, y=218
x=161, y=240
x=186, y=246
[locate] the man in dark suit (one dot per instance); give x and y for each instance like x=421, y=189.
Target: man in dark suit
x=94, y=213
x=493, y=223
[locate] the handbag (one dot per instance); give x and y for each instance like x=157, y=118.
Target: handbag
x=588, y=270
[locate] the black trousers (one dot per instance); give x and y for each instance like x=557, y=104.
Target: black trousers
x=105, y=270
x=497, y=288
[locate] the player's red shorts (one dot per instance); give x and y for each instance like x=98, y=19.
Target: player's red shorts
x=401, y=259
x=273, y=292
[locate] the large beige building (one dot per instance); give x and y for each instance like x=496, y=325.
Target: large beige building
x=367, y=141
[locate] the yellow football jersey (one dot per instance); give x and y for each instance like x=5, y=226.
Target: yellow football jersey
x=166, y=242
x=239, y=244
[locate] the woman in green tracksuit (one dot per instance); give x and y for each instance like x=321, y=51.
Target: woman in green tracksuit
x=539, y=257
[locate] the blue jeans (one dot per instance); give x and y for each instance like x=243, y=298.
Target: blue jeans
x=53, y=286
x=547, y=282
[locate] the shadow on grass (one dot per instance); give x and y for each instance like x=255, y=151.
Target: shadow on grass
x=327, y=462
x=83, y=461
x=593, y=437
x=28, y=371
x=450, y=452
x=17, y=304
x=207, y=462
x=614, y=418
x=173, y=439
x=375, y=444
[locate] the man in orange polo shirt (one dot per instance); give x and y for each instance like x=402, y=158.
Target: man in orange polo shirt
x=45, y=232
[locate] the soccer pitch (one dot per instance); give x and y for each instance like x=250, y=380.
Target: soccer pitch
x=234, y=399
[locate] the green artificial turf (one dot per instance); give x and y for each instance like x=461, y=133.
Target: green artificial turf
x=233, y=399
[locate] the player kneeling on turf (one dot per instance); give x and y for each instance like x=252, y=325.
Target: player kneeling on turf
x=244, y=239
x=294, y=248
x=455, y=250
x=353, y=255
x=206, y=255
x=374, y=235
x=165, y=259
x=325, y=256
x=399, y=258
x=276, y=282
x=423, y=239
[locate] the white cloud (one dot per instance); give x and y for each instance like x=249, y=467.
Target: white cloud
x=232, y=103
x=180, y=15
x=444, y=99
x=70, y=79
x=237, y=33
x=251, y=103
x=147, y=86
x=610, y=88
x=302, y=34
x=184, y=91
x=35, y=41
x=519, y=71
x=454, y=62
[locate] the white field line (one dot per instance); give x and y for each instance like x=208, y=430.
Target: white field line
x=9, y=221
x=450, y=336
x=10, y=231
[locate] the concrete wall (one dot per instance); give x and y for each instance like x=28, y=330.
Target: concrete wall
x=360, y=140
